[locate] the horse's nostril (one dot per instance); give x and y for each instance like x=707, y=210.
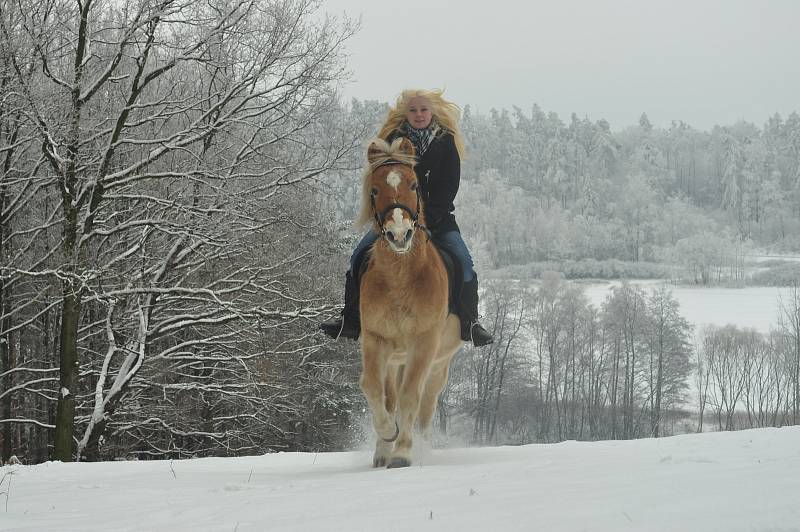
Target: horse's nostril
x=390, y=235
x=409, y=233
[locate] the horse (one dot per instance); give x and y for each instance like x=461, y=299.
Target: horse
x=408, y=337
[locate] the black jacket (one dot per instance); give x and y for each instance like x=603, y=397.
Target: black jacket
x=439, y=175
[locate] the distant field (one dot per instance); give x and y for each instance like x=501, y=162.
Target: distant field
x=755, y=307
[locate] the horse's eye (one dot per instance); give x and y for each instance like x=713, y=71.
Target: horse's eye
x=373, y=192
x=414, y=185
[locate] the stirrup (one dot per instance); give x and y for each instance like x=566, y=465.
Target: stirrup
x=488, y=338
x=343, y=330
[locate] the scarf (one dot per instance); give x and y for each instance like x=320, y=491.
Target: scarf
x=421, y=138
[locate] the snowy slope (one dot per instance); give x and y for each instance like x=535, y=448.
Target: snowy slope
x=740, y=481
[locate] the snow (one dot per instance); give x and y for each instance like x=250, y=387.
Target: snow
x=754, y=307
x=733, y=481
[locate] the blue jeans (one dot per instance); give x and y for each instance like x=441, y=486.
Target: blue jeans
x=366, y=242
x=450, y=240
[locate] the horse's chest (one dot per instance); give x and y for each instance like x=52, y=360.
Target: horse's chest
x=397, y=305
x=386, y=304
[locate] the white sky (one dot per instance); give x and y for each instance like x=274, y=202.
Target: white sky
x=704, y=62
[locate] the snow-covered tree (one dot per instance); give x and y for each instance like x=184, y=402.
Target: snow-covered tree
x=172, y=140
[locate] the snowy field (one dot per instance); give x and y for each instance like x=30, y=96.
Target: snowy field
x=739, y=481
x=755, y=307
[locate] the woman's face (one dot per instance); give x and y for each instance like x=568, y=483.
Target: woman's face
x=419, y=113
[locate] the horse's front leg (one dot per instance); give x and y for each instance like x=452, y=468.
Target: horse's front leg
x=437, y=380
x=374, y=355
x=383, y=448
x=410, y=390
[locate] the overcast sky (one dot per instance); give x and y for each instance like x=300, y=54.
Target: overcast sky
x=704, y=62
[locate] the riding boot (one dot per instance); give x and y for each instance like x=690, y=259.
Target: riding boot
x=471, y=330
x=349, y=325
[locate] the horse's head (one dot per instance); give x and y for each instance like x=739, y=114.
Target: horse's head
x=391, y=192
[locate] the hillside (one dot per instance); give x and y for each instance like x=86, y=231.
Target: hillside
x=730, y=481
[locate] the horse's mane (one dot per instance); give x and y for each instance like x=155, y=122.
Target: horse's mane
x=380, y=153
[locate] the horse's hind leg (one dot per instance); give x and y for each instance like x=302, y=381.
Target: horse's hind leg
x=430, y=395
x=394, y=375
x=437, y=380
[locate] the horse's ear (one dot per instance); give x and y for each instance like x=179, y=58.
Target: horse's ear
x=374, y=151
x=406, y=147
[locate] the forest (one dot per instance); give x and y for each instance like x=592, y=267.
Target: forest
x=177, y=185
x=563, y=369
x=642, y=202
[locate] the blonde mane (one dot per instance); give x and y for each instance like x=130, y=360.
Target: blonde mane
x=380, y=153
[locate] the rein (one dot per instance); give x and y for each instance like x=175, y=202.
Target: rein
x=414, y=214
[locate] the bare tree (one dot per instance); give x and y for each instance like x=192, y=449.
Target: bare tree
x=724, y=353
x=550, y=336
x=24, y=220
x=177, y=138
x=789, y=326
x=625, y=320
x=493, y=364
x=702, y=377
x=668, y=355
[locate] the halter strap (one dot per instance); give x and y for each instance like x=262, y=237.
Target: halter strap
x=414, y=215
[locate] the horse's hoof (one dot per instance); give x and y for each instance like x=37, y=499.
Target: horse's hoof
x=399, y=461
x=379, y=461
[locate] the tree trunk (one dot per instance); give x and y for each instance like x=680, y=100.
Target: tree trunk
x=65, y=412
x=6, y=364
x=659, y=386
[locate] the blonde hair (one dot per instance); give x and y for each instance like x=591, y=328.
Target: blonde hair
x=445, y=113
x=379, y=153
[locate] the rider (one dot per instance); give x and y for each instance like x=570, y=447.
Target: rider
x=431, y=123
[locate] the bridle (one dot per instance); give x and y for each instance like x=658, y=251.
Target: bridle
x=414, y=214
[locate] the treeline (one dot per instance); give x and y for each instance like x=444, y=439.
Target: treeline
x=563, y=369
x=537, y=190
x=540, y=189
x=158, y=296
x=746, y=379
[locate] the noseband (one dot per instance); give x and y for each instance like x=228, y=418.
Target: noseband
x=414, y=214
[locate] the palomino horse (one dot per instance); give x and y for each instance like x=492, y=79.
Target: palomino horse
x=408, y=336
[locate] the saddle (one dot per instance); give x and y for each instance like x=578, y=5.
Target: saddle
x=451, y=264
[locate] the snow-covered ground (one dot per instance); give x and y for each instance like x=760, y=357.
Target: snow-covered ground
x=739, y=481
